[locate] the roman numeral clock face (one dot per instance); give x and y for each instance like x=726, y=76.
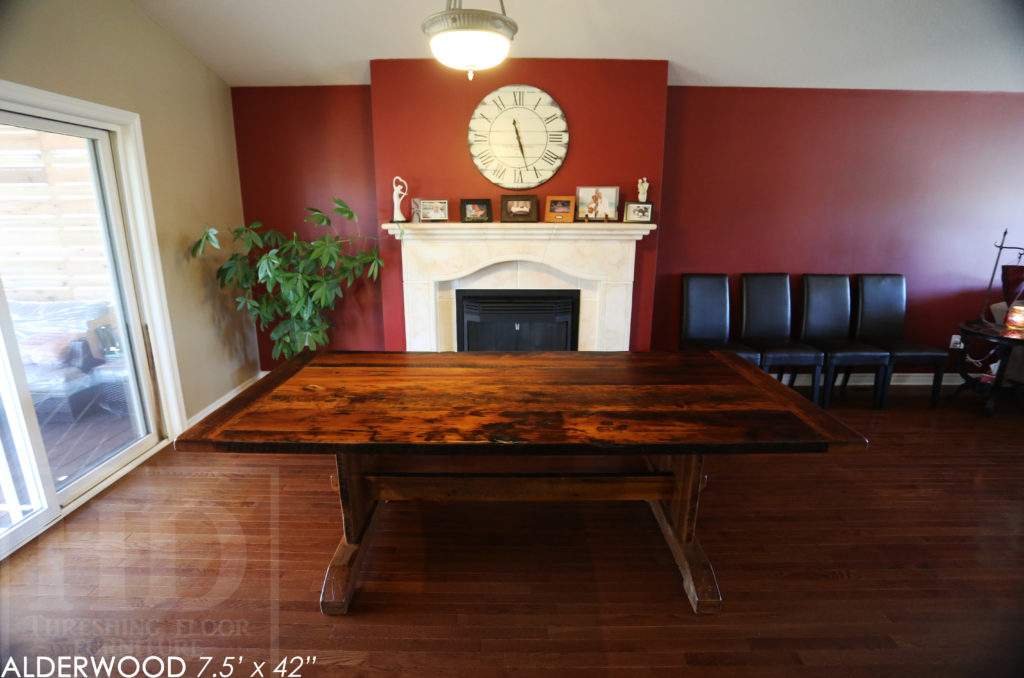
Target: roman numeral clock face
x=518, y=137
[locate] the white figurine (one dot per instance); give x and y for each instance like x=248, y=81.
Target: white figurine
x=641, y=189
x=401, y=190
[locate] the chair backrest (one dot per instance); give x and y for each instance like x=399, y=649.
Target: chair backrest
x=881, y=307
x=826, y=307
x=766, y=306
x=705, y=307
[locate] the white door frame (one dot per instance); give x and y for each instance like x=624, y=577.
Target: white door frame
x=134, y=202
x=137, y=209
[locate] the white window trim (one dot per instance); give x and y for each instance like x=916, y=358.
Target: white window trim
x=137, y=205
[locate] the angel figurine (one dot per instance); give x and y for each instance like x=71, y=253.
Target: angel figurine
x=401, y=189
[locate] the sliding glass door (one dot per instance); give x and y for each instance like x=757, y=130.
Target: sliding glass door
x=82, y=403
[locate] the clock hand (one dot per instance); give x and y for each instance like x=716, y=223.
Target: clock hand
x=519, y=141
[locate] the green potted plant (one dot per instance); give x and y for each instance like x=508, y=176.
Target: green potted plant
x=290, y=284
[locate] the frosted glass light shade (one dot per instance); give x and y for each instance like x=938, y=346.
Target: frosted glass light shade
x=469, y=39
x=469, y=50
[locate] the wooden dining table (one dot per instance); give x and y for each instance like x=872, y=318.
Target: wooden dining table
x=554, y=427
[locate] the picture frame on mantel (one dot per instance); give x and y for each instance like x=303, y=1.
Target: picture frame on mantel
x=637, y=212
x=518, y=208
x=559, y=208
x=434, y=210
x=597, y=203
x=473, y=210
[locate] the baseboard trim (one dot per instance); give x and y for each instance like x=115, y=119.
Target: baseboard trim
x=908, y=379
x=209, y=409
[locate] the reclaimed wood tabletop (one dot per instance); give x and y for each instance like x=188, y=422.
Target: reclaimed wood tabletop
x=518, y=403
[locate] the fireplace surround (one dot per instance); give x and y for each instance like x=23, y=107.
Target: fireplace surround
x=439, y=258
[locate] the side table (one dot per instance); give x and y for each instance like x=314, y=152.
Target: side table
x=1004, y=340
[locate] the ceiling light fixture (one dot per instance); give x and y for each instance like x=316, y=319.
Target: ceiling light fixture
x=469, y=39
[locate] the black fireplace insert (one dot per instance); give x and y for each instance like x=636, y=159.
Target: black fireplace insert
x=517, y=320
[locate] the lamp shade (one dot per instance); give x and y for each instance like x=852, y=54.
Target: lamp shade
x=469, y=50
x=1015, y=317
x=469, y=39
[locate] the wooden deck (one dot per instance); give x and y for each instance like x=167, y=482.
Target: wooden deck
x=905, y=558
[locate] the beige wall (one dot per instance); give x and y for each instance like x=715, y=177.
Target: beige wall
x=110, y=52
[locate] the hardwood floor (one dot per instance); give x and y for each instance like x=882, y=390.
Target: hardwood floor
x=902, y=559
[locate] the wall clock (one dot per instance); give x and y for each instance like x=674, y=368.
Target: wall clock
x=518, y=137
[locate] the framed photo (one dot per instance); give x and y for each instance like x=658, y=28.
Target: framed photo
x=475, y=209
x=434, y=210
x=638, y=211
x=597, y=203
x=519, y=208
x=560, y=208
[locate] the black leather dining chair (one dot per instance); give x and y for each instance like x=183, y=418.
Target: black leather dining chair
x=826, y=325
x=767, y=326
x=705, y=316
x=880, y=320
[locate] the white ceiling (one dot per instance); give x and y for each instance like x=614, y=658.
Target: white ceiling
x=873, y=44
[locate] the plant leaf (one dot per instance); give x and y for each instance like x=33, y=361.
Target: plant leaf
x=267, y=308
x=342, y=208
x=323, y=293
x=318, y=217
x=325, y=251
x=209, y=237
x=267, y=268
x=251, y=239
x=272, y=238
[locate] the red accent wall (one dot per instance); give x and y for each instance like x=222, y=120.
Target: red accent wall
x=299, y=147
x=795, y=180
x=421, y=111
x=838, y=181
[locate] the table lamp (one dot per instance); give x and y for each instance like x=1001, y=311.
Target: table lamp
x=1015, y=317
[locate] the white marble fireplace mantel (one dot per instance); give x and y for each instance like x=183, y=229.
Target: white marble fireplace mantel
x=596, y=258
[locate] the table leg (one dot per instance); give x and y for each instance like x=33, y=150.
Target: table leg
x=988, y=390
x=677, y=518
x=340, y=580
x=359, y=515
x=968, y=380
x=1003, y=356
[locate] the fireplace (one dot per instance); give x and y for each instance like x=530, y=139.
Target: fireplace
x=517, y=320
x=593, y=260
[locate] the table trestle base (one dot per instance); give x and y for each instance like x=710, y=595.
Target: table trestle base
x=519, y=486
x=672, y=488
